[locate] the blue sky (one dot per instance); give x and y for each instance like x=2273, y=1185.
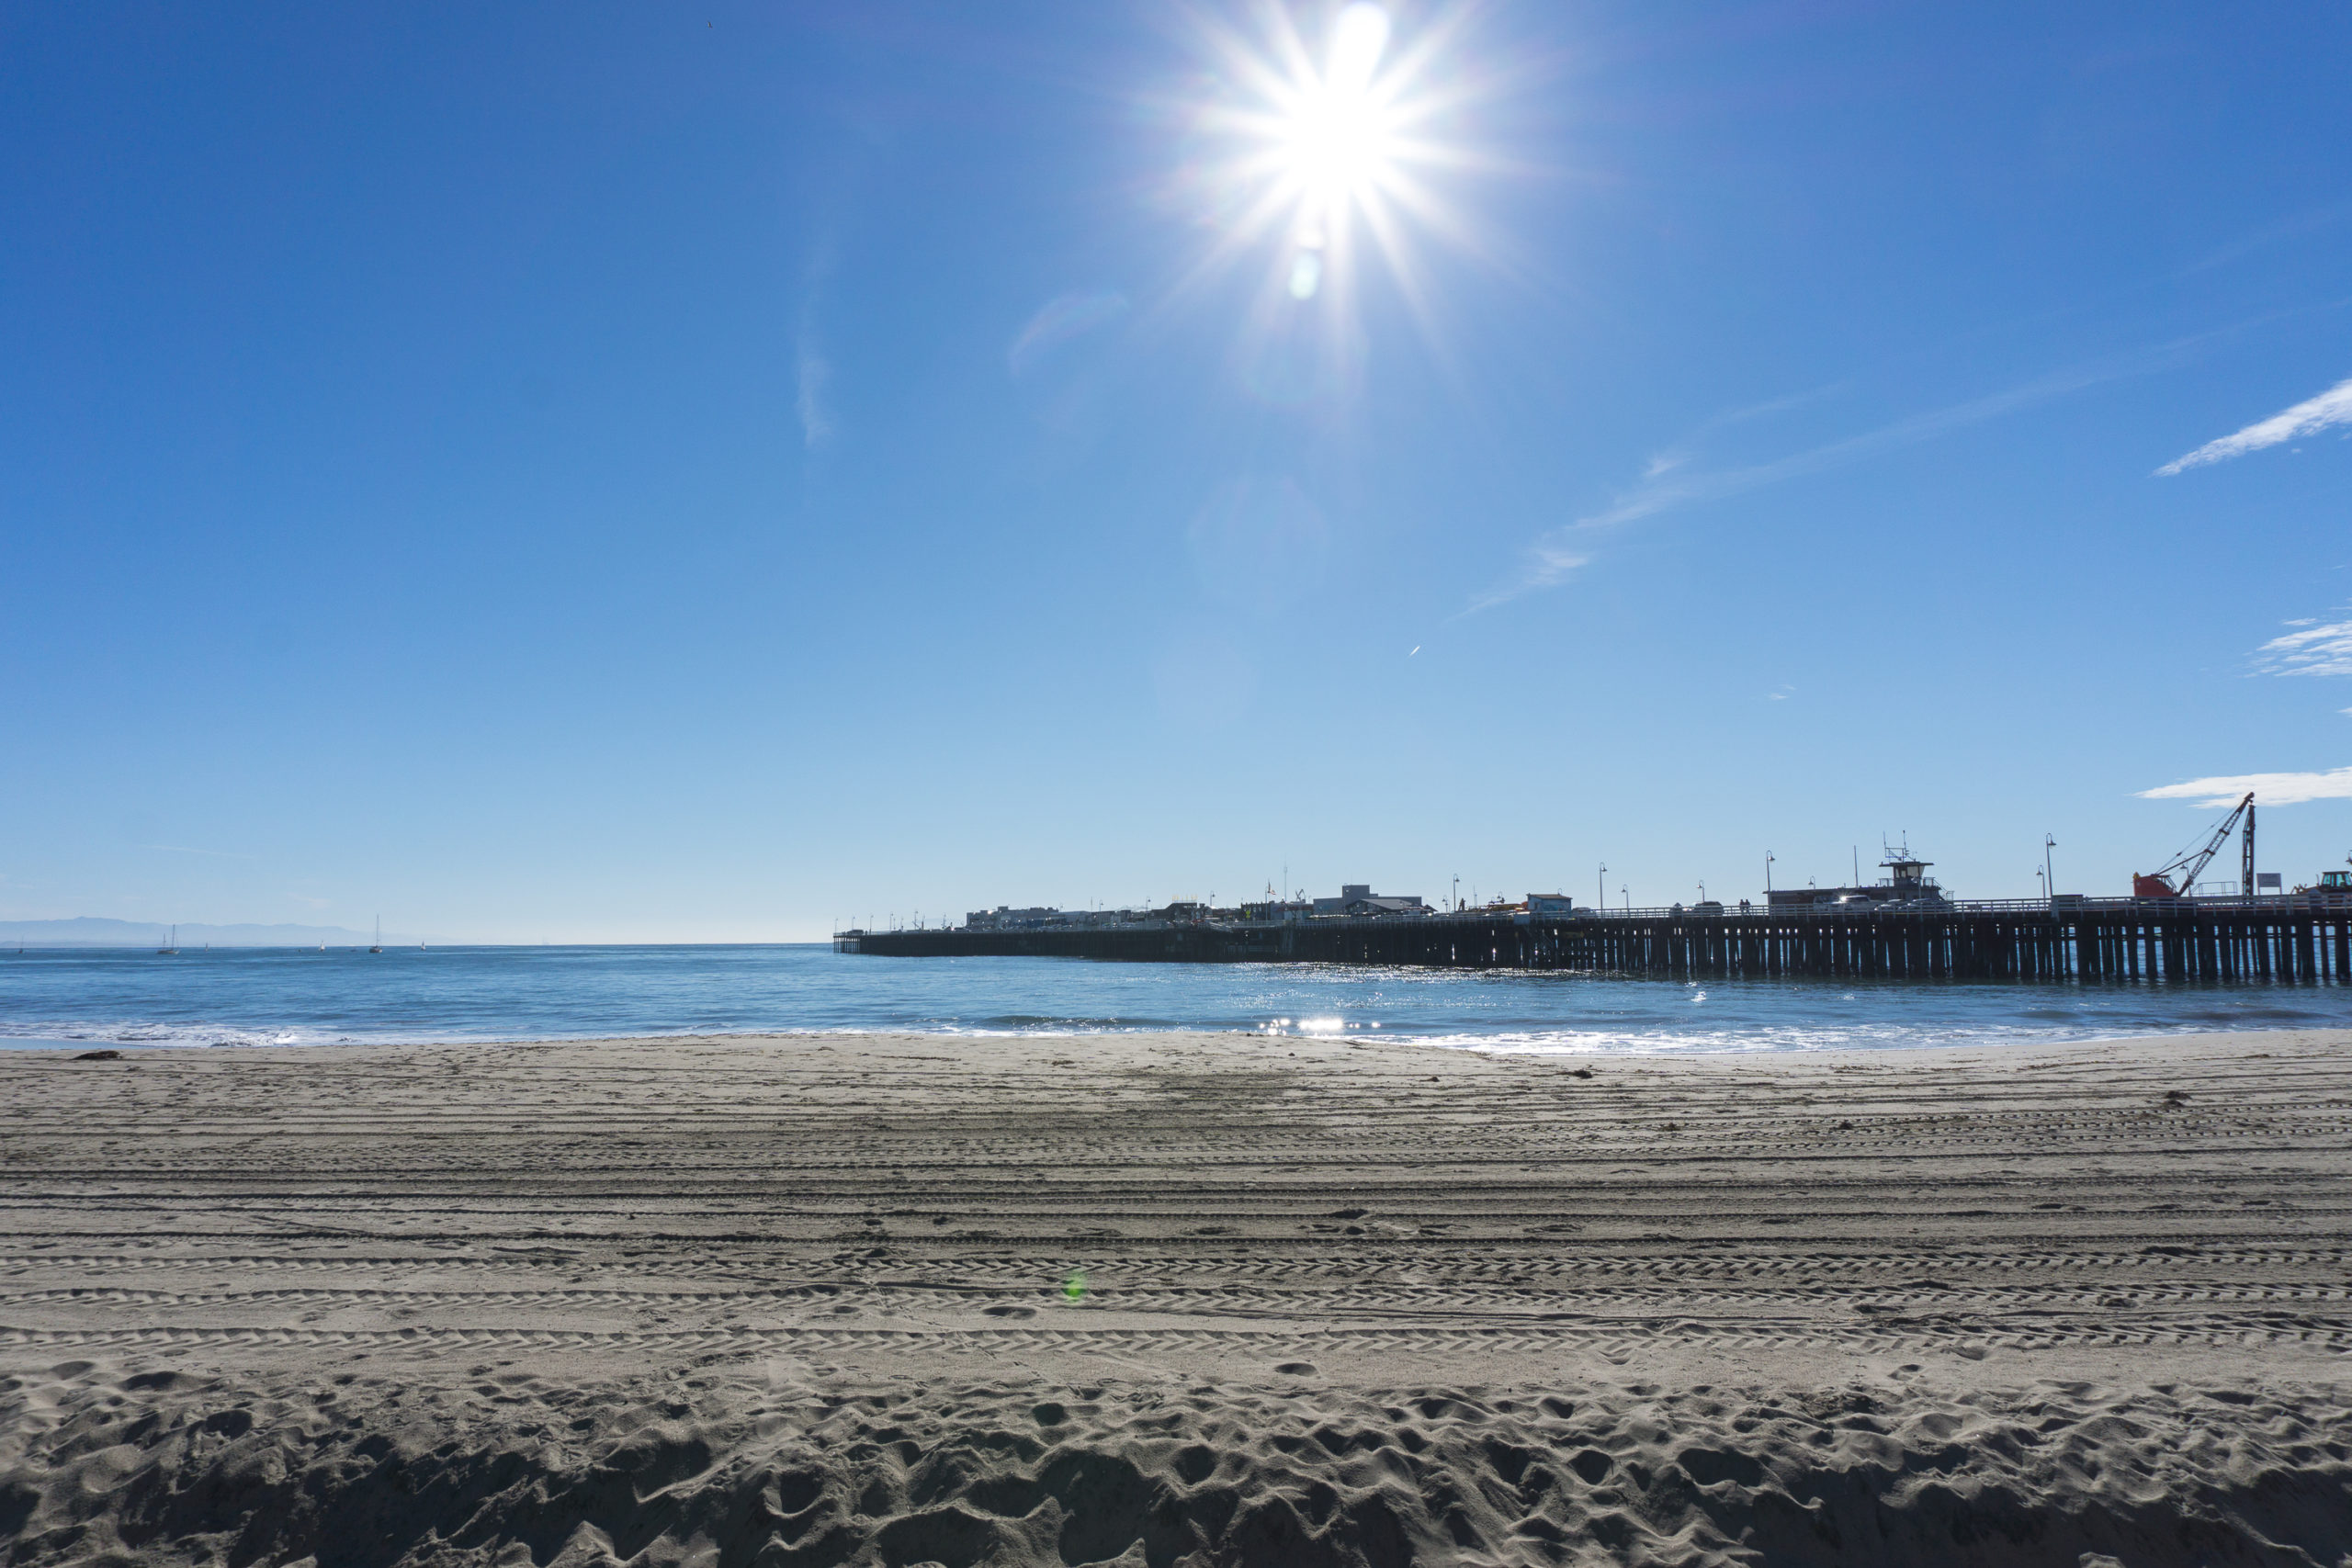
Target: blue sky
x=611, y=472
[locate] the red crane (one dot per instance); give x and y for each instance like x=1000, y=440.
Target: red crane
x=2177, y=877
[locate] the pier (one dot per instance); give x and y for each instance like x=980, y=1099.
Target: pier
x=2301, y=937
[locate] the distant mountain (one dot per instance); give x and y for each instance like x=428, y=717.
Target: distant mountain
x=88, y=931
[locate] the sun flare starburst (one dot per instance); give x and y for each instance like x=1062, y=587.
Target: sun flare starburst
x=1336, y=141
x=1317, y=155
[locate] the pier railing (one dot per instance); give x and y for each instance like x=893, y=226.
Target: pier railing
x=2064, y=904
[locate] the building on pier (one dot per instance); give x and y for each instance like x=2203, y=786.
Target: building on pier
x=1356, y=901
x=1277, y=910
x=1357, y=898
x=1907, y=886
x=1004, y=918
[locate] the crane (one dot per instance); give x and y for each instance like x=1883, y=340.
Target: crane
x=2179, y=875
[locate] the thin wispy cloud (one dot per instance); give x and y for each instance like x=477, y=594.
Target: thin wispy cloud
x=812, y=370
x=1648, y=499
x=2294, y=228
x=2312, y=650
x=1681, y=454
x=1550, y=562
x=2309, y=417
x=189, y=850
x=1059, y=320
x=1668, y=483
x=815, y=379
x=2269, y=789
x=1768, y=408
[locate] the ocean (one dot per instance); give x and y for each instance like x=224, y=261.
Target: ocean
x=85, y=997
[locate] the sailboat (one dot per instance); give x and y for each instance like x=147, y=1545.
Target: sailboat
x=380, y=935
x=171, y=948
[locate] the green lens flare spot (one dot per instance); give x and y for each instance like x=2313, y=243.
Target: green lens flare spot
x=1074, y=1288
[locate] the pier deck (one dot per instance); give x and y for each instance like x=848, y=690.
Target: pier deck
x=2291, y=938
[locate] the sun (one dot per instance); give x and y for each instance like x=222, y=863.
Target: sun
x=1339, y=133
x=1323, y=147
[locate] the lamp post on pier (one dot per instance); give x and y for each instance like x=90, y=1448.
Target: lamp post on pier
x=2049, y=873
x=1768, y=876
x=1601, y=882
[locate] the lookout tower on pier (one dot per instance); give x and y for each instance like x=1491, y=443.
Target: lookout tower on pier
x=1906, y=876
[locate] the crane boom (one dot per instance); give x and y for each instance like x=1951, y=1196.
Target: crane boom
x=2176, y=877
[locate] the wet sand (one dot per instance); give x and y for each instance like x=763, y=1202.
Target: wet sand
x=1176, y=1300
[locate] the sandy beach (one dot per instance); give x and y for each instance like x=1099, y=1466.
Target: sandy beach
x=1176, y=1300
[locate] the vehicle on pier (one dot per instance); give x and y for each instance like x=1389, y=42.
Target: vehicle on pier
x=2333, y=887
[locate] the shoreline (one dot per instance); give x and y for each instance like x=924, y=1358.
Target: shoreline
x=1264, y=1299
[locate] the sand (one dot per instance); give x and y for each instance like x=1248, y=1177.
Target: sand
x=1176, y=1300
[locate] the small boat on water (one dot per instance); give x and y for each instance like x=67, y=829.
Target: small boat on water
x=171, y=948
x=380, y=935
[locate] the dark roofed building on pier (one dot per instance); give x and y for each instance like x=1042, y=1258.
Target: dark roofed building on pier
x=1358, y=899
x=1907, y=885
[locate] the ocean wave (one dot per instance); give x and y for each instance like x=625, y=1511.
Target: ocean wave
x=260, y=998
